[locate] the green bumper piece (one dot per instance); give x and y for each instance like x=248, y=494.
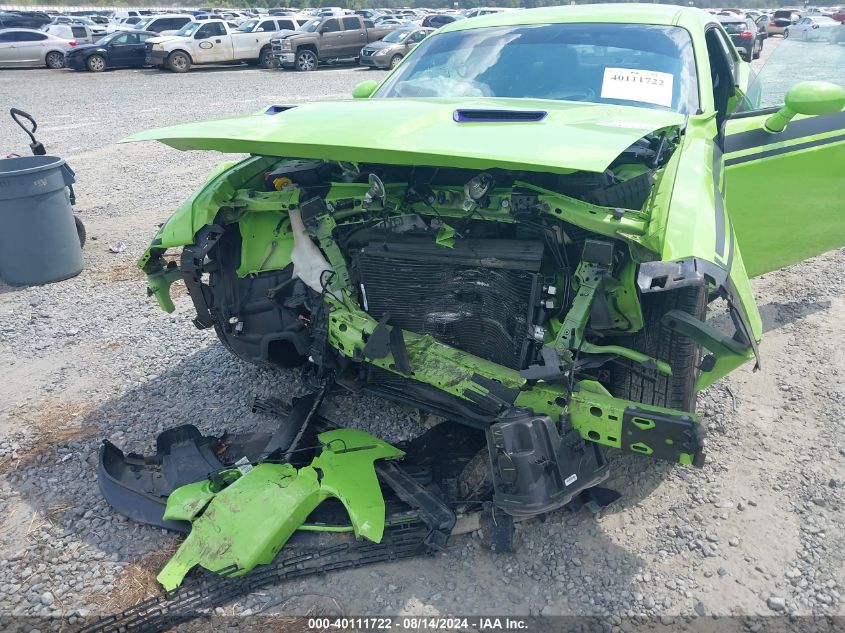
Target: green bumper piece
x=246, y=522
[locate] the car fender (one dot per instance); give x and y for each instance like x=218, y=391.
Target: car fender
x=692, y=231
x=202, y=206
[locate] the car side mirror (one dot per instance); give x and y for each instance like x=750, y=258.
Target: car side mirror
x=810, y=98
x=364, y=89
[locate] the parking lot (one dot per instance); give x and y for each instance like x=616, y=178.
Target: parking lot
x=757, y=531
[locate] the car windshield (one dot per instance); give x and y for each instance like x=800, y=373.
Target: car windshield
x=641, y=65
x=247, y=26
x=142, y=24
x=311, y=25
x=395, y=36
x=188, y=29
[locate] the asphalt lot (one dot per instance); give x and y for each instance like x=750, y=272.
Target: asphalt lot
x=757, y=531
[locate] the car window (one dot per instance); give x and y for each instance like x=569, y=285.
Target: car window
x=79, y=31
x=24, y=36
x=649, y=66
x=143, y=37
x=351, y=24
x=267, y=26
x=418, y=36
x=330, y=26
x=794, y=61
x=120, y=39
x=169, y=24
x=8, y=37
x=132, y=20
x=286, y=25
x=369, y=24
x=210, y=30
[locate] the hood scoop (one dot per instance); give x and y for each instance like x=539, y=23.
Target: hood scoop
x=498, y=116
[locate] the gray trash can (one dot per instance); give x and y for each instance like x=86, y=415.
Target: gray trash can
x=38, y=239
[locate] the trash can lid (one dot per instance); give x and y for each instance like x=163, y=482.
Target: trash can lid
x=28, y=165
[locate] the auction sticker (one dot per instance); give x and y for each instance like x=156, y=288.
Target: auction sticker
x=645, y=86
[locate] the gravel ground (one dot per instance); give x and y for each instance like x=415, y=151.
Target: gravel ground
x=757, y=531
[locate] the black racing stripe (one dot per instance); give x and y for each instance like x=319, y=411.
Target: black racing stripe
x=730, y=261
x=785, y=150
x=795, y=129
x=719, y=200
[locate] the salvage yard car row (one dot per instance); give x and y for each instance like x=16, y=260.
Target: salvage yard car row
x=178, y=41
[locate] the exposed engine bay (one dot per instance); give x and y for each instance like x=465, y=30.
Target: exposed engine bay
x=521, y=304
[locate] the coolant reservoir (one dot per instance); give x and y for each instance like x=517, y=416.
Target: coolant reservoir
x=308, y=261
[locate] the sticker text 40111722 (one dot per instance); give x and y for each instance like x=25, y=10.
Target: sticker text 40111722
x=645, y=86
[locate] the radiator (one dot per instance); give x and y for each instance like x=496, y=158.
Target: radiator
x=477, y=296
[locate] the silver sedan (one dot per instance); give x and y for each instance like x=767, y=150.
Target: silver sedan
x=816, y=27
x=387, y=53
x=27, y=47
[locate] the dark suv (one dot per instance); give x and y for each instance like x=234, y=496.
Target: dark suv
x=745, y=35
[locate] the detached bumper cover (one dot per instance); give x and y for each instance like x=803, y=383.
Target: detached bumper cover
x=245, y=523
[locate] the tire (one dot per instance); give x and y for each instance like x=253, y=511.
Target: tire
x=759, y=51
x=80, y=231
x=306, y=60
x=265, y=58
x=748, y=56
x=394, y=61
x=179, y=62
x=96, y=64
x=55, y=60
x=786, y=34
x=635, y=382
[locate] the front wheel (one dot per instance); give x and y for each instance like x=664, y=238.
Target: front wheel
x=394, y=62
x=634, y=381
x=759, y=50
x=96, y=64
x=179, y=62
x=786, y=34
x=265, y=59
x=55, y=60
x=306, y=61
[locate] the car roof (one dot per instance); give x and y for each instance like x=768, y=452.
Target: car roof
x=169, y=15
x=661, y=14
x=26, y=30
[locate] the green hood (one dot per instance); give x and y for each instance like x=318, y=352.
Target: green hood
x=571, y=136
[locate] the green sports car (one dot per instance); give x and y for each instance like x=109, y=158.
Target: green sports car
x=530, y=243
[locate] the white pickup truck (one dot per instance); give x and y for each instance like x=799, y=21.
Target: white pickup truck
x=217, y=42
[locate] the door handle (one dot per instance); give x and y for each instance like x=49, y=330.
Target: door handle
x=218, y=41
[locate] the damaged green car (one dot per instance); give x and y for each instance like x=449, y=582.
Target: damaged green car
x=529, y=244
